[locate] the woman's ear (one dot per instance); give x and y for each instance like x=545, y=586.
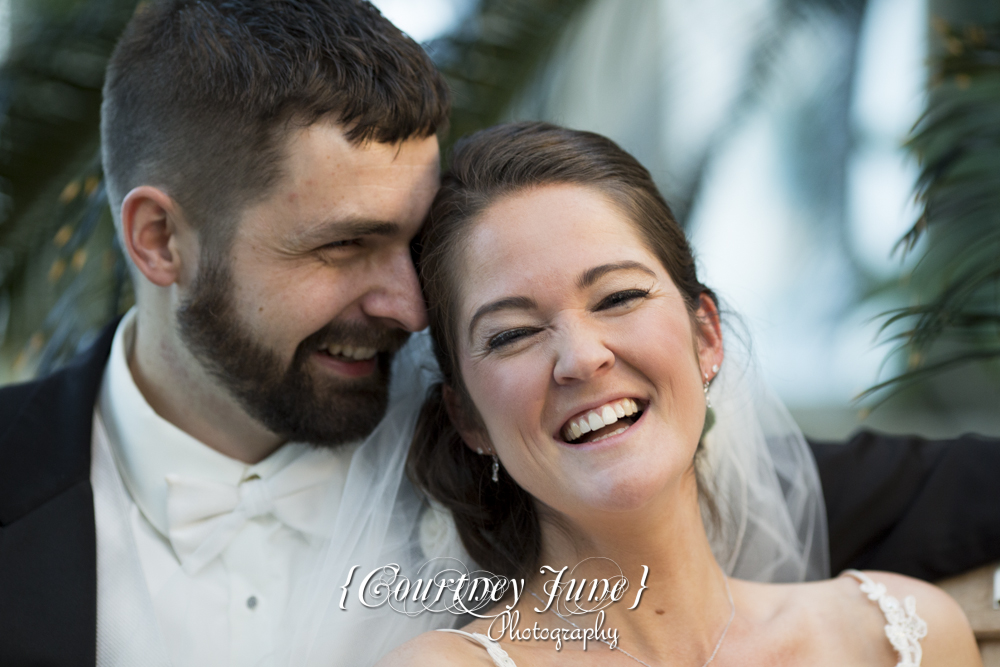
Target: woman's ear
x=710, y=350
x=471, y=434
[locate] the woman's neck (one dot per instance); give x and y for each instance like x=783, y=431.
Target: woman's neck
x=685, y=603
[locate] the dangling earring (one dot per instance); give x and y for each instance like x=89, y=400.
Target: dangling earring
x=708, y=399
x=496, y=468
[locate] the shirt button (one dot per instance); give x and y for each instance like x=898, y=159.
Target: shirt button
x=252, y=602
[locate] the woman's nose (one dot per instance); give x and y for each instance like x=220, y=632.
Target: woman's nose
x=581, y=355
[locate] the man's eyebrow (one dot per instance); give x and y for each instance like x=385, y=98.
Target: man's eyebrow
x=347, y=228
x=508, y=303
x=591, y=276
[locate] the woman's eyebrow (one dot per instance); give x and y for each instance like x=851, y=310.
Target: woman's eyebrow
x=508, y=303
x=591, y=276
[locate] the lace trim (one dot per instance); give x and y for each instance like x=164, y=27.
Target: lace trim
x=500, y=657
x=904, y=628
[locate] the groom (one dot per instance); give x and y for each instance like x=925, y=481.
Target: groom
x=268, y=164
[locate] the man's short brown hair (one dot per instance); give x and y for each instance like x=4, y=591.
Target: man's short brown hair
x=200, y=94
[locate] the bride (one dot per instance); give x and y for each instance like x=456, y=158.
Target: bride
x=580, y=356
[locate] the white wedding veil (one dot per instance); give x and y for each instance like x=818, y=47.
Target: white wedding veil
x=381, y=521
x=762, y=478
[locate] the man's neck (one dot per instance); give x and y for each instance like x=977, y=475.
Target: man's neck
x=180, y=391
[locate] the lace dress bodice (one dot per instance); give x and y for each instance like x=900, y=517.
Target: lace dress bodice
x=903, y=628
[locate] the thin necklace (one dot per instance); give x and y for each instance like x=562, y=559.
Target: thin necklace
x=718, y=645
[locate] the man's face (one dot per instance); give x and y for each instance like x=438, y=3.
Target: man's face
x=300, y=319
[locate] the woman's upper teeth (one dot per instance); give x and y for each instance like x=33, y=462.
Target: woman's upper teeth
x=599, y=417
x=351, y=352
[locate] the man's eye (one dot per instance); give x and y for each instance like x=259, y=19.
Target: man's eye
x=619, y=298
x=506, y=337
x=340, y=244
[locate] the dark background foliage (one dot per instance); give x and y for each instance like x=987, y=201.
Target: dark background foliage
x=61, y=277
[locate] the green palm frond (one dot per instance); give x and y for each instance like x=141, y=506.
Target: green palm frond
x=956, y=283
x=495, y=54
x=61, y=277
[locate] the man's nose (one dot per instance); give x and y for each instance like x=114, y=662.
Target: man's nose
x=581, y=354
x=396, y=298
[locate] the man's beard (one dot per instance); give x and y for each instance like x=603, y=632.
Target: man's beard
x=294, y=401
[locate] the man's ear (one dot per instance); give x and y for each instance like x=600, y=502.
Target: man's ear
x=151, y=231
x=710, y=350
x=471, y=435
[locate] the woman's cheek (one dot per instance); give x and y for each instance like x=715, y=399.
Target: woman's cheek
x=509, y=391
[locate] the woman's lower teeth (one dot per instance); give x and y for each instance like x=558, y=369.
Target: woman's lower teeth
x=608, y=435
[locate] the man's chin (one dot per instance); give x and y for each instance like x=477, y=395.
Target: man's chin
x=324, y=407
x=356, y=416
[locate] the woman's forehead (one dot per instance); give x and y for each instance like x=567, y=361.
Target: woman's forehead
x=546, y=236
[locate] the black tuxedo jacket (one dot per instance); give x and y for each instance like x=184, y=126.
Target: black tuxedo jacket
x=927, y=509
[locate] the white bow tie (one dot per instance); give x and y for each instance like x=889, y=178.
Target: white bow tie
x=204, y=517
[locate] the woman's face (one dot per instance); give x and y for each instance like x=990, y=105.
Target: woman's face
x=567, y=323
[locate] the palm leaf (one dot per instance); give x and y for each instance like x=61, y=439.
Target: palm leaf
x=495, y=53
x=956, y=283
x=61, y=277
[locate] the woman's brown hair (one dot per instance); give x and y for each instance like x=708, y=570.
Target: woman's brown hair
x=499, y=522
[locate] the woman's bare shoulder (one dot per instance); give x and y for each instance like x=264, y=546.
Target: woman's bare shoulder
x=438, y=649
x=949, y=640
x=835, y=622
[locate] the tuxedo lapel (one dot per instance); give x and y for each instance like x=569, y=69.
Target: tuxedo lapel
x=48, y=560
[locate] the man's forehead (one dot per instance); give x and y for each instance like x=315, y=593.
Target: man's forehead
x=323, y=149
x=326, y=178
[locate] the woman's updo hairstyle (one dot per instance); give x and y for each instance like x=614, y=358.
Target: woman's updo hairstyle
x=498, y=522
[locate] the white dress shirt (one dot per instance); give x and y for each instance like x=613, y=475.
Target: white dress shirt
x=218, y=581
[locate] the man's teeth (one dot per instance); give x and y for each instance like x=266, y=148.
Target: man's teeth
x=600, y=417
x=351, y=352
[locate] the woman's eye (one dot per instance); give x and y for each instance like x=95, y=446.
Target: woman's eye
x=506, y=337
x=619, y=298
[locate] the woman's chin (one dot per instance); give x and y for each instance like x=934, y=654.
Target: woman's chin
x=622, y=493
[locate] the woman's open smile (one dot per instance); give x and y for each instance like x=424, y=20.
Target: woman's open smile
x=603, y=421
